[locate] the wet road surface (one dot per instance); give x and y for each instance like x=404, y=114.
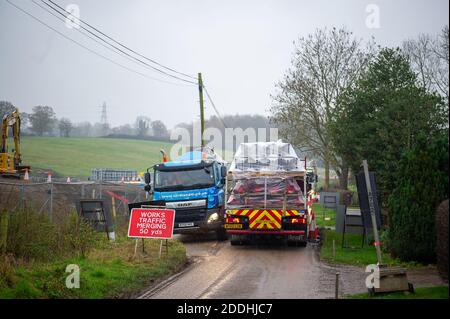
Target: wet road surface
x=219, y=270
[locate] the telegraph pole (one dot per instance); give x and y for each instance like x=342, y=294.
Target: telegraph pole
x=202, y=114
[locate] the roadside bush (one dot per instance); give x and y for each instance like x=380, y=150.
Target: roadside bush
x=442, y=239
x=7, y=276
x=77, y=236
x=33, y=236
x=421, y=184
x=384, y=238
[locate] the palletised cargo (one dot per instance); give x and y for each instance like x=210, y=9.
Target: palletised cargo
x=266, y=194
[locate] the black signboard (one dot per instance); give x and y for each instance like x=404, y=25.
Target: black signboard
x=96, y=214
x=364, y=199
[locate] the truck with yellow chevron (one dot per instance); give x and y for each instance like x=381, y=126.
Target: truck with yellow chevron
x=266, y=190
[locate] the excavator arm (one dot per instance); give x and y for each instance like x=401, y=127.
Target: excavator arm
x=16, y=136
x=5, y=126
x=11, y=165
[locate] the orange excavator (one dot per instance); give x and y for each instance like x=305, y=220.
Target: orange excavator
x=11, y=164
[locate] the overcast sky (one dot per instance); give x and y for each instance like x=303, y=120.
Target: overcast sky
x=242, y=47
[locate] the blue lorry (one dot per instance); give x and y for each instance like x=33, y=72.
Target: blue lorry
x=192, y=184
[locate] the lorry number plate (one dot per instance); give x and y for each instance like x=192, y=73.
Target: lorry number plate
x=233, y=226
x=185, y=224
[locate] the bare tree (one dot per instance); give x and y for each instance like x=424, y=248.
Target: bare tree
x=65, y=127
x=429, y=58
x=324, y=64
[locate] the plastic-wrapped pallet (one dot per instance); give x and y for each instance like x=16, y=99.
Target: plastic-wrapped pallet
x=264, y=175
x=266, y=157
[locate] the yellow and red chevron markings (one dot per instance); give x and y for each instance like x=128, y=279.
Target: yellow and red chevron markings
x=263, y=218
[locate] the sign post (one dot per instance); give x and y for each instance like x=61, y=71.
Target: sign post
x=151, y=223
x=372, y=213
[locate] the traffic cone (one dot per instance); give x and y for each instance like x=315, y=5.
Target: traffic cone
x=68, y=179
x=26, y=177
x=49, y=177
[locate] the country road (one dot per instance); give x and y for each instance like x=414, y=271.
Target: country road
x=219, y=270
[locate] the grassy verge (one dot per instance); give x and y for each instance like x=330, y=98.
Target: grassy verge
x=325, y=217
x=437, y=292
x=353, y=253
x=108, y=271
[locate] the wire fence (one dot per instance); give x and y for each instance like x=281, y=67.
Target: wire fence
x=57, y=199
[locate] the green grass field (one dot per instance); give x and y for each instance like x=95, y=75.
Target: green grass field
x=325, y=217
x=75, y=157
x=353, y=253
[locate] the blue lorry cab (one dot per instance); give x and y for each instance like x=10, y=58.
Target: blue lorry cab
x=193, y=185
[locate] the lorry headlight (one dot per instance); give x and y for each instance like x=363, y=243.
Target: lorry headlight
x=213, y=217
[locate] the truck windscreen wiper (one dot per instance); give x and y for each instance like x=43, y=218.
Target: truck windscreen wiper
x=171, y=187
x=198, y=185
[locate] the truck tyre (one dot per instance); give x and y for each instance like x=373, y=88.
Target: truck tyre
x=237, y=242
x=291, y=243
x=221, y=235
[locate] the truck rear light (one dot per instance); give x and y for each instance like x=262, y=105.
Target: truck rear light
x=298, y=221
x=232, y=220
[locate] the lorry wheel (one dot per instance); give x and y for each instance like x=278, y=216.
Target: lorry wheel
x=236, y=243
x=291, y=243
x=221, y=235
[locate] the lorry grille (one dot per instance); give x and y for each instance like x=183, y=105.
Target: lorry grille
x=190, y=215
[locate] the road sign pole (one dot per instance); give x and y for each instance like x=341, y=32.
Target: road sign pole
x=372, y=212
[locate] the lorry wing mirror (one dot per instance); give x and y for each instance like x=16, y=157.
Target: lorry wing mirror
x=147, y=178
x=147, y=188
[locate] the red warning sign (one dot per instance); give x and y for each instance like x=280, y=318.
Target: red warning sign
x=151, y=223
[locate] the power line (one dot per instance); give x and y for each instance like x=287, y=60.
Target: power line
x=85, y=47
x=97, y=41
x=119, y=43
x=214, y=107
x=108, y=59
x=112, y=45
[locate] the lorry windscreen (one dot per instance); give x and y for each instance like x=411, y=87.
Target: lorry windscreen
x=184, y=179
